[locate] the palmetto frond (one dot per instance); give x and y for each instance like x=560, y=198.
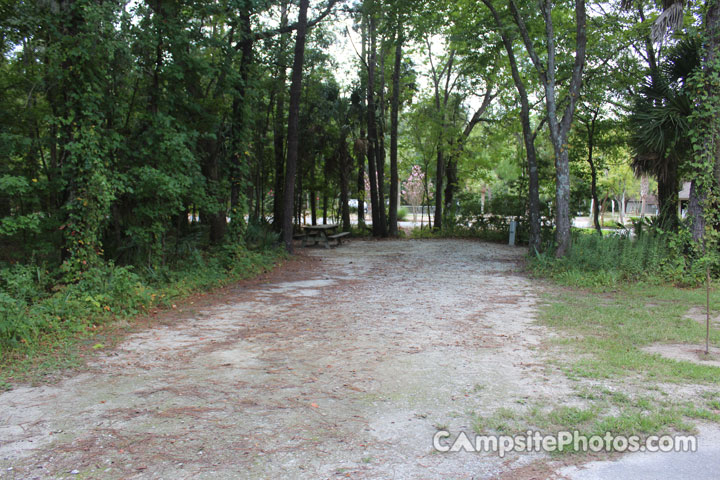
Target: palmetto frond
x=682, y=60
x=659, y=121
x=659, y=133
x=670, y=19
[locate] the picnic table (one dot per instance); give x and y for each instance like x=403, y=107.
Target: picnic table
x=321, y=233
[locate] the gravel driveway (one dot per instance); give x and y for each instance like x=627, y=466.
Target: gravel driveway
x=343, y=363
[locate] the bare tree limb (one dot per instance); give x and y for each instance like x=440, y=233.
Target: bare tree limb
x=356, y=50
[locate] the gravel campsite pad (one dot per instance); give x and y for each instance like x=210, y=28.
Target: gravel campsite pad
x=343, y=363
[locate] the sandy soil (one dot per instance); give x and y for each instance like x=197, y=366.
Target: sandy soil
x=698, y=314
x=342, y=365
x=693, y=353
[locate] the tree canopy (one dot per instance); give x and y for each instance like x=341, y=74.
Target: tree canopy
x=137, y=132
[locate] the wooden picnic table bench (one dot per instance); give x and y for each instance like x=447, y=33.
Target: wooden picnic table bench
x=338, y=236
x=322, y=233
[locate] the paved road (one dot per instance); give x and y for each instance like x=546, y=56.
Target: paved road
x=703, y=464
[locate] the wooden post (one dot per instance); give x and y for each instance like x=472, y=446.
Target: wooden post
x=707, y=310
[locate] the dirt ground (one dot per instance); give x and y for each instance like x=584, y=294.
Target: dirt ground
x=341, y=364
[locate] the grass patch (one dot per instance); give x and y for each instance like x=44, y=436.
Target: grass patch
x=609, y=330
x=607, y=412
x=604, y=330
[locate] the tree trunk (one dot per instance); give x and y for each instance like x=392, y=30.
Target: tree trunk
x=451, y=176
x=668, y=198
x=394, y=113
x=361, y=146
x=293, y=125
x=313, y=206
x=562, y=202
x=559, y=126
x=210, y=169
x=702, y=191
x=441, y=108
x=361, y=186
x=456, y=150
x=344, y=161
x=593, y=192
x=695, y=212
x=372, y=129
x=279, y=127
x=593, y=172
x=439, y=177
x=238, y=130
x=380, y=143
x=300, y=196
x=313, y=193
x=528, y=137
x=260, y=142
x=325, y=207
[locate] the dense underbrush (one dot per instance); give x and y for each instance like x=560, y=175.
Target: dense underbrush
x=36, y=310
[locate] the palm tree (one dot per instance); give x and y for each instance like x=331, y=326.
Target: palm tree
x=660, y=125
x=672, y=19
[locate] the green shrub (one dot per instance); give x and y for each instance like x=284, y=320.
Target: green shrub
x=596, y=261
x=360, y=231
x=420, y=233
x=505, y=204
x=25, y=282
x=32, y=309
x=113, y=288
x=260, y=236
x=402, y=214
x=14, y=325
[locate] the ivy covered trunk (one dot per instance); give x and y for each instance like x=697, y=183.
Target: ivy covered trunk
x=713, y=66
x=83, y=142
x=695, y=211
x=705, y=187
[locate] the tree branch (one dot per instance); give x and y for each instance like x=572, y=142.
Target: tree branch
x=476, y=118
x=528, y=42
x=294, y=26
x=539, y=127
x=356, y=50
x=576, y=79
